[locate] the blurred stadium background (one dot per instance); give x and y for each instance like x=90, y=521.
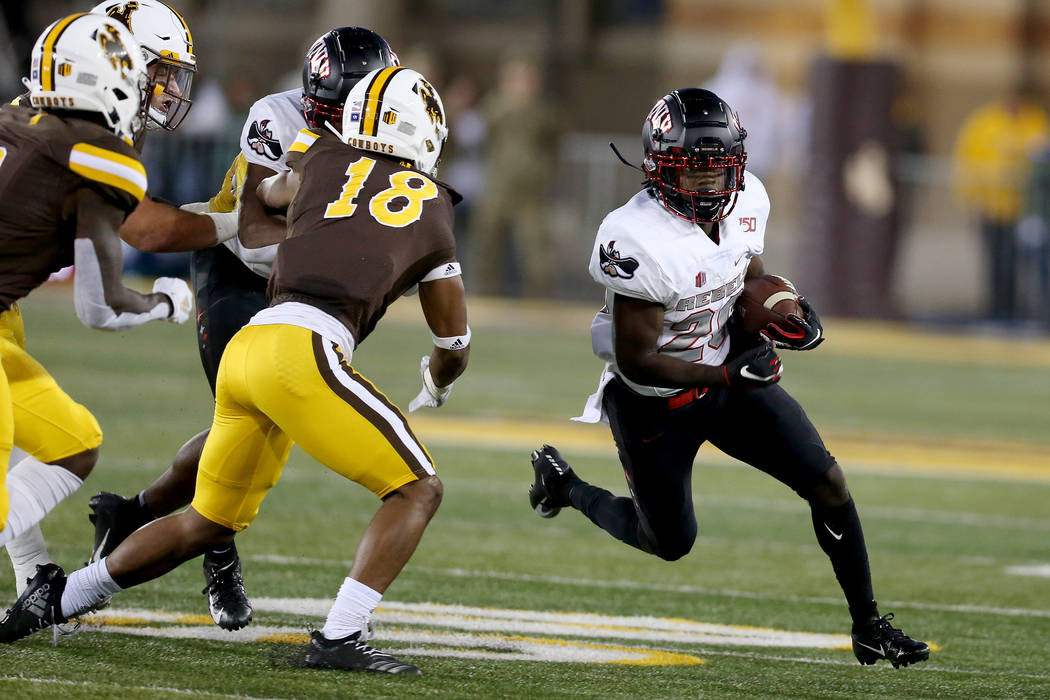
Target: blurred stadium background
x=853, y=108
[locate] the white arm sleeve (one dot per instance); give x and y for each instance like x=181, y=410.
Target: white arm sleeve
x=89, y=297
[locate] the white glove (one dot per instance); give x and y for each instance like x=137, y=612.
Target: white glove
x=181, y=297
x=432, y=395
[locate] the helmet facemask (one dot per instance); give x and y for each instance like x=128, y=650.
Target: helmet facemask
x=699, y=188
x=169, y=91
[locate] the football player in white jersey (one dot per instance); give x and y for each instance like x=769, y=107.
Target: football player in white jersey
x=673, y=260
x=229, y=282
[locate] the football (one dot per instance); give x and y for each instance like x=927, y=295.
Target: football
x=767, y=299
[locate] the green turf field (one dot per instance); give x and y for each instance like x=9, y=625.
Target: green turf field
x=945, y=441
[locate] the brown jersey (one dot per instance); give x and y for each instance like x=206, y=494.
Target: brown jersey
x=44, y=159
x=363, y=229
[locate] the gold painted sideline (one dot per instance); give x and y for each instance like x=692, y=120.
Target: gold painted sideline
x=992, y=459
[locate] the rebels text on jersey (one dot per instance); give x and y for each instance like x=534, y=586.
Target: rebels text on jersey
x=643, y=251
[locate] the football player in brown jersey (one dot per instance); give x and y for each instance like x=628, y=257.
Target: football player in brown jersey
x=229, y=282
x=167, y=54
x=367, y=223
x=68, y=178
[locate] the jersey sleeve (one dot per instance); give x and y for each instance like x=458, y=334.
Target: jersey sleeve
x=620, y=263
x=756, y=208
x=302, y=143
x=111, y=168
x=266, y=136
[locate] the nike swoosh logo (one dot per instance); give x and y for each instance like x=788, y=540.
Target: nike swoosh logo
x=880, y=650
x=101, y=546
x=654, y=437
x=837, y=537
x=746, y=373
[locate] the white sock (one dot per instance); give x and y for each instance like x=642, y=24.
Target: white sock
x=87, y=587
x=26, y=551
x=351, y=611
x=34, y=488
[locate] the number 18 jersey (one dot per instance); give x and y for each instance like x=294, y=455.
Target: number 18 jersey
x=363, y=230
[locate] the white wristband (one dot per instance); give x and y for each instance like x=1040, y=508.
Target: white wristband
x=455, y=342
x=225, y=224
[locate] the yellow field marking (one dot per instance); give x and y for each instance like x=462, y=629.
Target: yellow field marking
x=995, y=459
x=435, y=629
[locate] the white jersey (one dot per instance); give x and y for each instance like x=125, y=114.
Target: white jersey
x=272, y=126
x=646, y=252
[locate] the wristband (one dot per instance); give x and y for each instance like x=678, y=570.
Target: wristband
x=225, y=224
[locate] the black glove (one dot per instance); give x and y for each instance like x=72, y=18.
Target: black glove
x=796, y=332
x=759, y=366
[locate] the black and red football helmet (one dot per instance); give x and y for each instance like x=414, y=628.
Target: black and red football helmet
x=334, y=64
x=694, y=155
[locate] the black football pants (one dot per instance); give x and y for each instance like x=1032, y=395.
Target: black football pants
x=657, y=443
x=228, y=295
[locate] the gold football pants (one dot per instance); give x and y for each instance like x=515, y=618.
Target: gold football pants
x=35, y=413
x=281, y=383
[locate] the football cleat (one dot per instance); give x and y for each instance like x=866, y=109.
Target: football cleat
x=878, y=639
x=114, y=518
x=224, y=586
x=352, y=654
x=39, y=606
x=552, y=473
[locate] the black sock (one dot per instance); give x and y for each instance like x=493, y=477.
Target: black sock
x=616, y=515
x=137, y=512
x=842, y=539
x=226, y=552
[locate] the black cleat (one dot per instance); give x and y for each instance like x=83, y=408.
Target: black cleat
x=552, y=473
x=224, y=586
x=878, y=639
x=114, y=518
x=351, y=654
x=39, y=606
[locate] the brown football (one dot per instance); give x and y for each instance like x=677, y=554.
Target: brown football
x=765, y=300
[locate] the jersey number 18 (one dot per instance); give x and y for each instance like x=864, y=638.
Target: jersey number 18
x=401, y=190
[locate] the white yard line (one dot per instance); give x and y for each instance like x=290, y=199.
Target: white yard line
x=1038, y=570
x=670, y=588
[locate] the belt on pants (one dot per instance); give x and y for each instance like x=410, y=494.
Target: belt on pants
x=686, y=398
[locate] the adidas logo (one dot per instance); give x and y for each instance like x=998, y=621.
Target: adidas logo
x=36, y=603
x=456, y=345
x=450, y=269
